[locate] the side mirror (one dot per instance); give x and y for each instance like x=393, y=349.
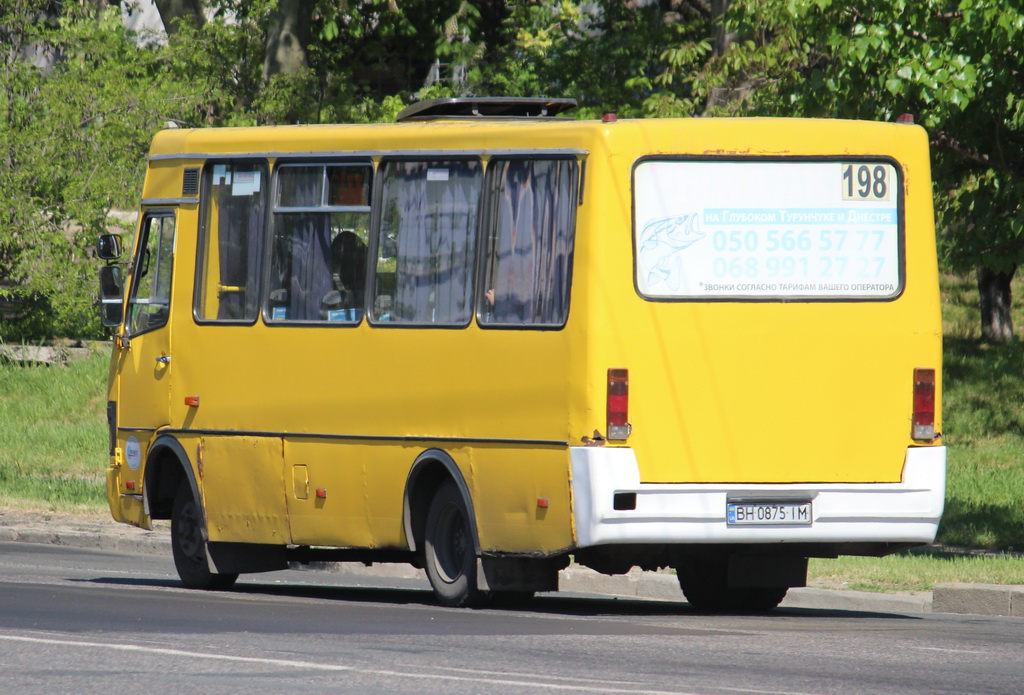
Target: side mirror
x=111, y=295
x=108, y=247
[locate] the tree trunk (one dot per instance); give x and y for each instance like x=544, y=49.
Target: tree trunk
x=720, y=38
x=287, y=38
x=721, y=41
x=177, y=13
x=996, y=299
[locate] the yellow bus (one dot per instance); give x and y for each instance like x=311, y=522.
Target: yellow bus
x=489, y=339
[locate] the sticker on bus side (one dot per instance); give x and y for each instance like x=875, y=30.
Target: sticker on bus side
x=766, y=230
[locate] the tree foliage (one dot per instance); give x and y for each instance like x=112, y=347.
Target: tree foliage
x=81, y=97
x=79, y=102
x=956, y=66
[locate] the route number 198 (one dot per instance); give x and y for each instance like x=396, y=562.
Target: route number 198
x=865, y=182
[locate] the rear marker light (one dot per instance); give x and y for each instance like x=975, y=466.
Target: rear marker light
x=542, y=503
x=192, y=401
x=923, y=423
x=321, y=493
x=618, y=404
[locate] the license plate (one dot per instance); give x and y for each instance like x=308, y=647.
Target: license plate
x=768, y=513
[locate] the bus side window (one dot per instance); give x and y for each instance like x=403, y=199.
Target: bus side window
x=231, y=244
x=321, y=227
x=426, y=242
x=530, y=233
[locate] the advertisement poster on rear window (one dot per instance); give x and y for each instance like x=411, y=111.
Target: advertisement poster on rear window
x=767, y=230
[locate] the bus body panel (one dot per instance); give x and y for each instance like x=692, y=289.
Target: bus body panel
x=522, y=499
x=341, y=514
x=763, y=391
x=243, y=489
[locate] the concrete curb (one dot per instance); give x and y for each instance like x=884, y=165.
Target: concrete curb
x=974, y=599
x=979, y=599
x=152, y=543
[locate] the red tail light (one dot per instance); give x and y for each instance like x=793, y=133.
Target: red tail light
x=618, y=404
x=923, y=424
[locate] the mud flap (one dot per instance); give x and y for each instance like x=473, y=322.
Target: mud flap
x=242, y=558
x=516, y=574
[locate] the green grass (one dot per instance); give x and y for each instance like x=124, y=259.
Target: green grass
x=983, y=429
x=53, y=438
x=983, y=426
x=915, y=571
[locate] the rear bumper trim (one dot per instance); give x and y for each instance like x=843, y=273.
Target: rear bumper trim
x=903, y=512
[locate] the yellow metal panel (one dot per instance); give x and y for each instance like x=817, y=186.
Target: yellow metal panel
x=164, y=178
x=127, y=509
x=736, y=392
x=374, y=381
x=510, y=485
x=243, y=489
x=300, y=482
x=339, y=518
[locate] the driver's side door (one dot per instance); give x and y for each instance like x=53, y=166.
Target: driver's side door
x=145, y=357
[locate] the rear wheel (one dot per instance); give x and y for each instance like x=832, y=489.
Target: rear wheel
x=705, y=584
x=510, y=599
x=449, y=551
x=189, y=546
x=759, y=599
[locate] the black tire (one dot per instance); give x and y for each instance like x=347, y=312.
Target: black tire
x=704, y=582
x=511, y=599
x=449, y=550
x=761, y=599
x=189, y=547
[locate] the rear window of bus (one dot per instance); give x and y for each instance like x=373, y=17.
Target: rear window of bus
x=768, y=229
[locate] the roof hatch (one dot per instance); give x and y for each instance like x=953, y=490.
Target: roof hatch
x=485, y=107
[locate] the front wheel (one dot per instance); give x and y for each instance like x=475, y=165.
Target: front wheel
x=449, y=551
x=189, y=546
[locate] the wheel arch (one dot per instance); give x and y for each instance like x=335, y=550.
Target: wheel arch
x=430, y=469
x=167, y=465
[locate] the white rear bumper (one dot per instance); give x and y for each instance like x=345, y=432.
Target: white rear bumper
x=904, y=512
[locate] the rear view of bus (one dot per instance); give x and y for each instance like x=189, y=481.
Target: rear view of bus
x=772, y=385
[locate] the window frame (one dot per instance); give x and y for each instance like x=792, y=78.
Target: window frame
x=900, y=188
x=273, y=209
x=427, y=158
x=489, y=212
x=145, y=231
x=206, y=176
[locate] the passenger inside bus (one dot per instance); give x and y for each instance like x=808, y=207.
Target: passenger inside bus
x=348, y=277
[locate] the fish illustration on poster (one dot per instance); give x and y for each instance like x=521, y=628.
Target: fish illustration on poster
x=661, y=242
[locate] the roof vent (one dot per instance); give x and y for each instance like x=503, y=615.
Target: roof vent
x=485, y=108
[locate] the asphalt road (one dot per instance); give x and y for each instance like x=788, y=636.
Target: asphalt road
x=80, y=621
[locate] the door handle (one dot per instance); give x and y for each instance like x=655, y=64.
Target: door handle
x=164, y=359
